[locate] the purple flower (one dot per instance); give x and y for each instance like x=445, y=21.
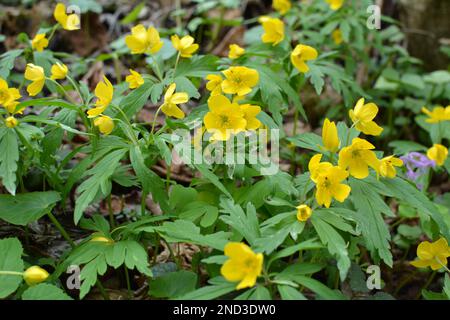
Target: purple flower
x=416, y=164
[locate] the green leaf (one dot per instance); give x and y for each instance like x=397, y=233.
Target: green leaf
x=290, y=293
x=45, y=291
x=136, y=257
x=212, y=178
x=198, y=67
x=98, y=182
x=136, y=99
x=9, y=156
x=210, y=292
x=438, y=77
x=47, y=102
x=134, y=14
x=186, y=231
x=10, y=260
x=150, y=181
x=334, y=242
x=316, y=77
x=310, y=244
x=25, y=208
x=244, y=223
x=403, y=147
x=447, y=286
x=369, y=207
x=299, y=268
x=173, y=284
x=307, y=140
x=260, y=293
x=405, y=191
x=320, y=289
x=186, y=85
x=7, y=62
x=54, y=123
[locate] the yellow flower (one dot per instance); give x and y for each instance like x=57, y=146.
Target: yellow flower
x=330, y=137
x=432, y=255
x=387, y=166
x=363, y=115
x=235, y=51
x=135, y=80
x=185, y=45
x=143, y=40
x=438, y=114
x=37, y=77
x=59, y=71
x=34, y=275
x=438, y=153
x=335, y=4
x=243, y=265
x=358, y=157
x=300, y=55
x=11, y=122
x=8, y=96
x=239, y=80
x=214, y=84
x=282, y=6
x=273, y=30
x=39, y=42
x=224, y=118
x=328, y=180
x=104, y=92
x=337, y=36
x=68, y=22
x=105, y=124
x=304, y=212
x=250, y=113
x=171, y=101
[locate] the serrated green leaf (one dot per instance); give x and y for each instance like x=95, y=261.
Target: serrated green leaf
x=9, y=156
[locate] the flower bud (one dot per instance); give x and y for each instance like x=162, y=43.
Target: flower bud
x=303, y=212
x=34, y=275
x=101, y=239
x=11, y=122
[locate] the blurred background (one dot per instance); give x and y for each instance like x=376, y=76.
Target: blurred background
x=425, y=23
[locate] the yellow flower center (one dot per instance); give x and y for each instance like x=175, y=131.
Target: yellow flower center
x=250, y=263
x=326, y=183
x=224, y=120
x=356, y=154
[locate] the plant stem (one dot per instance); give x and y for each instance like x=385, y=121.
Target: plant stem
x=74, y=84
x=117, y=68
x=110, y=212
x=143, y=203
x=11, y=273
x=52, y=33
x=176, y=65
x=102, y=290
x=61, y=229
x=62, y=89
x=127, y=279
x=154, y=120
x=172, y=254
x=430, y=279
x=127, y=123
